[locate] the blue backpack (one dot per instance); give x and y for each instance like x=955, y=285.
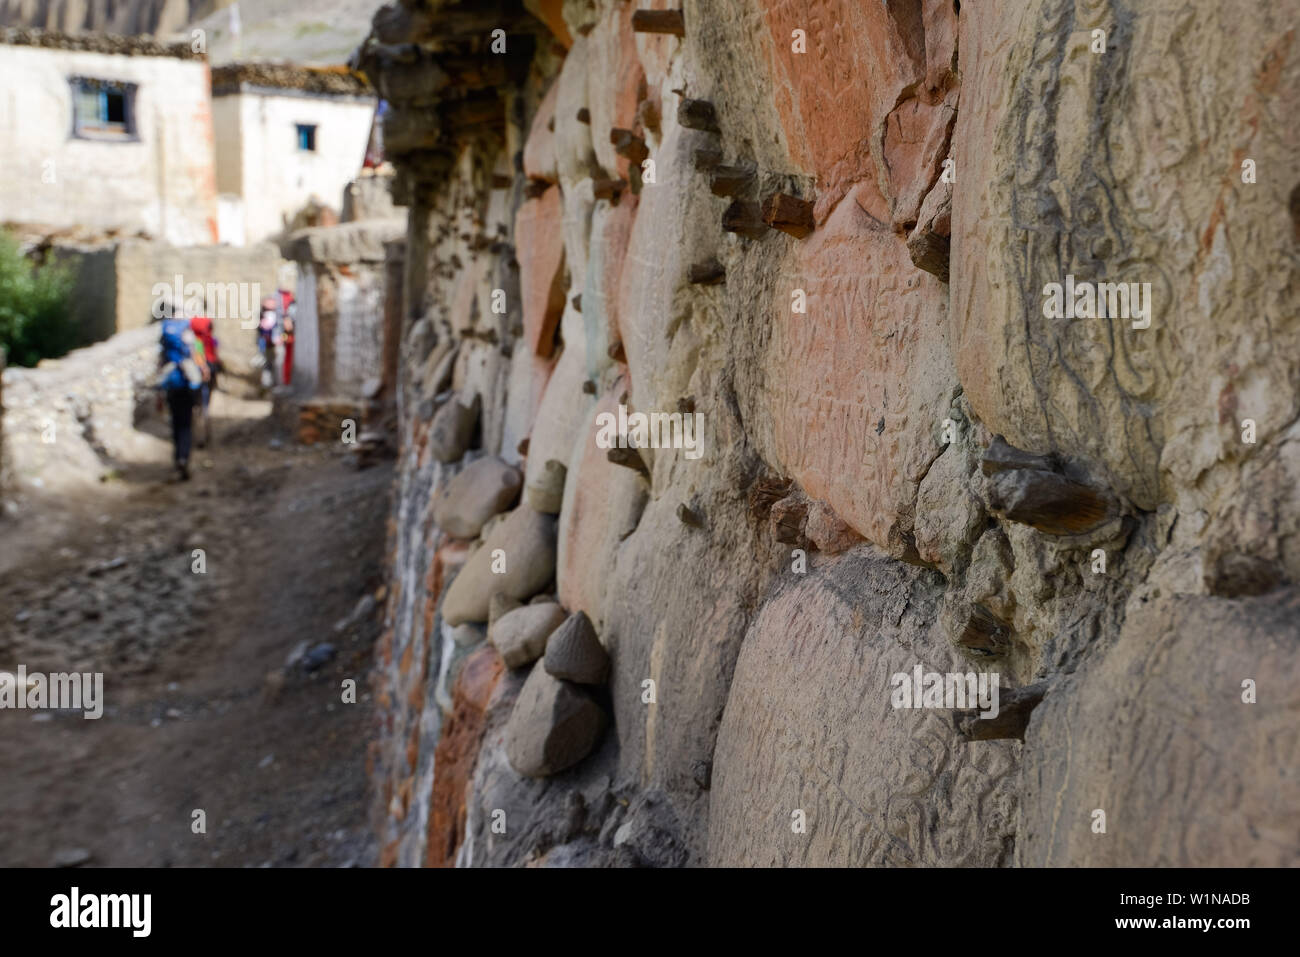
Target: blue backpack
x=180, y=371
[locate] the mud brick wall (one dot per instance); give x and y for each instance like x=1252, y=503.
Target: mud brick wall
x=831, y=229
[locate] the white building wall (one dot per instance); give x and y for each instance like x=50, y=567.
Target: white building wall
x=163, y=183
x=276, y=178
x=230, y=219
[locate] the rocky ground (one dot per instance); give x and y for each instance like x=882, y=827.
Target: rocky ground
x=222, y=689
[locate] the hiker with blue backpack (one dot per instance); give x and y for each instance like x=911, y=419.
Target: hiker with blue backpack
x=181, y=374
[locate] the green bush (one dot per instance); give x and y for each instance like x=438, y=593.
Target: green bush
x=35, y=318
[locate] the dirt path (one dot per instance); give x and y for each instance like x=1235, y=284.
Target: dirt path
x=201, y=711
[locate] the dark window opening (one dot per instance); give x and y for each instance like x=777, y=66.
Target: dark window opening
x=114, y=108
x=102, y=109
x=307, y=137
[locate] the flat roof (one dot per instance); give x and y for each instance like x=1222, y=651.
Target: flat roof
x=97, y=43
x=289, y=77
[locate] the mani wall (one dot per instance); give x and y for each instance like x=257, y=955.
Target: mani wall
x=843, y=234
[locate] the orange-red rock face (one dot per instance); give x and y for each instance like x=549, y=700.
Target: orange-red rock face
x=868, y=96
x=859, y=382
x=457, y=753
x=619, y=80
x=541, y=264
x=539, y=151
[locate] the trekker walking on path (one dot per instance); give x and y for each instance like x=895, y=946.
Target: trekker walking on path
x=287, y=310
x=201, y=326
x=266, y=341
x=182, y=369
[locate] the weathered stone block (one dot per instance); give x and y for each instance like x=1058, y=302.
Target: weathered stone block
x=521, y=635
x=574, y=653
x=1156, y=734
x=453, y=427
x=554, y=725
x=524, y=546
x=482, y=489
x=546, y=492
x=819, y=735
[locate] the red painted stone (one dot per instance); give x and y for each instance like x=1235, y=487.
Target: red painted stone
x=859, y=382
x=539, y=150
x=862, y=61
x=615, y=78
x=541, y=269
x=457, y=754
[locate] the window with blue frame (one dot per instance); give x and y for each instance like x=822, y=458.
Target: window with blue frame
x=307, y=137
x=103, y=109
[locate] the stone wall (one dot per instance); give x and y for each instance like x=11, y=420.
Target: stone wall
x=348, y=326
x=116, y=286
x=81, y=419
x=830, y=229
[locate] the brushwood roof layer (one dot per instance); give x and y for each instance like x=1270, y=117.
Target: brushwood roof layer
x=337, y=80
x=97, y=43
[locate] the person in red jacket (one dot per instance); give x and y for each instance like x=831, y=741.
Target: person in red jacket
x=287, y=310
x=201, y=326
